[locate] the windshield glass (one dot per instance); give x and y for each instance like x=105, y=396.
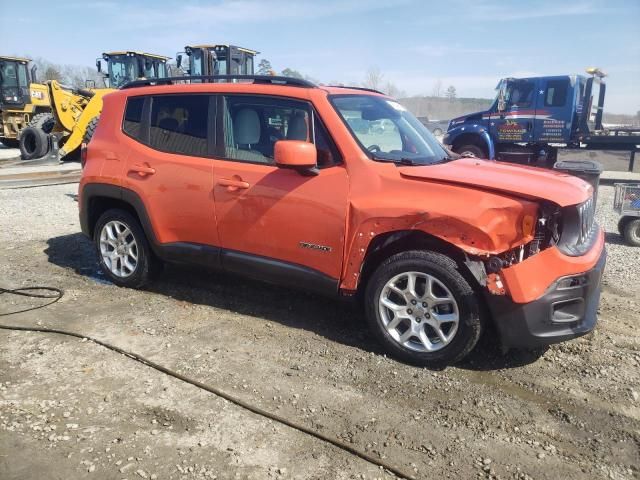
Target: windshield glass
x=13, y=82
x=121, y=70
x=154, y=69
x=195, y=62
x=387, y=131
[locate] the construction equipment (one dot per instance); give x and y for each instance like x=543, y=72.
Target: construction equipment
x=208, y=60
x=75, y=111
x=21, y=99
x=123, y=67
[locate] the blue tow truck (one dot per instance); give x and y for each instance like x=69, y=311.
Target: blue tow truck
x=531, y=118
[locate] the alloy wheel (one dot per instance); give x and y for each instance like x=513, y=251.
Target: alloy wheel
x=118, y=248
x=419, y=312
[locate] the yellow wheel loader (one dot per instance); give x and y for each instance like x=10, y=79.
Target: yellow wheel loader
x=21, y=98
x=75, y=111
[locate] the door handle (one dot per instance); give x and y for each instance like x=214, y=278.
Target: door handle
x=111, y=156
x=142, y=170
x=233, y=184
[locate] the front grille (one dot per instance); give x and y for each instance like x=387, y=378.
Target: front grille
x=586, y=215
x=579, y=228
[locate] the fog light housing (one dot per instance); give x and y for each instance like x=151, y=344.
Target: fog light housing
x=572, y=282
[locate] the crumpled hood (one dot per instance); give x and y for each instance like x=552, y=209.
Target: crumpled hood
x=528, y=182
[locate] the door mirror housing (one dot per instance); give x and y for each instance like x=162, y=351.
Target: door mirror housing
x=99, y=65
x=297, y=155
x=178, y=60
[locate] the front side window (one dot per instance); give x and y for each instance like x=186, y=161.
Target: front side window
x=387, y=131
x=253, y=125
x=520, y=94
x=556, y=93
x=179, y=124
x=122, y=69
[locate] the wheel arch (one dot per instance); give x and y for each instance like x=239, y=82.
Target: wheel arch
x=390, y=243
x=97, y=198
x=479, y=138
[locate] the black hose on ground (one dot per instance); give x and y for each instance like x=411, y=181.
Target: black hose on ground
x=55, y=294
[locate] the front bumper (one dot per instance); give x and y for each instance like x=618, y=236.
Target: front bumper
x=560, y=314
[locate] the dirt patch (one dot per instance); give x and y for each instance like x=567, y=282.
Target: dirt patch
x=71, y=409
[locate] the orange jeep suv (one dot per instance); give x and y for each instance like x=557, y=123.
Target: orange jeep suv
x=343, y=192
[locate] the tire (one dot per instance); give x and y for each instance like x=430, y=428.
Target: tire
x=622, y=224
x=632, y=232
x=10, y=142
x=471, y=150
x=437, y=131
x=145, y=267
x=45, y=121
x=34, y=143
x=461, y=303
x=91, y=129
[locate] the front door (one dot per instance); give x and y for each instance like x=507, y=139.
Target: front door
x=554, y=110
x=275, y=223
x=515, y=123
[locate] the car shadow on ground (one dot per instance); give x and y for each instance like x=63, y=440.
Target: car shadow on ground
x=614, y=238
x=339, y=321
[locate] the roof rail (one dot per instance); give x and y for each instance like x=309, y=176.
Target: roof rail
x=262, y=79
x=358, y=88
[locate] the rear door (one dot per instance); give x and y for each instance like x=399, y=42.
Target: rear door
x=554, y=110
x=515, y=123
x=170, y=168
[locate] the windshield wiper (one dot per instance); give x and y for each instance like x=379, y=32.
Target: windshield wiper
x=397, y=161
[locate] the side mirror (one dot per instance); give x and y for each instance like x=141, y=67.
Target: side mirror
x=501, y=105
x=34, y=78
x=297, y=155
x=178, y=60
x=99, y=65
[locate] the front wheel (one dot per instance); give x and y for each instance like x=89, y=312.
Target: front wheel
x=632, y=232
x=422, y=309
x=470, y=151
x=123, y=250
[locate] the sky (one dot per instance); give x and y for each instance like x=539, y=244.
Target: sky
x=414, y=43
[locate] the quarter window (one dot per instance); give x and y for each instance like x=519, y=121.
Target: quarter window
x=133, y=117
x=556, y=93
x=179, y=124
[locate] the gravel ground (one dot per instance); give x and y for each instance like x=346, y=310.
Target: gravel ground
x=71, y=409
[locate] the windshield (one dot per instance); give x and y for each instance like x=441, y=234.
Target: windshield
x=154, y=69
x=13, y=82
x=122, y=70
x=195, y=62
x=387, y=131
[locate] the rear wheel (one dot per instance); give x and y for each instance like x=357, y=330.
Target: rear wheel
x=471, y=150
x=123, y=250
x=632, y=232
x=45, y=121
x=422, y=309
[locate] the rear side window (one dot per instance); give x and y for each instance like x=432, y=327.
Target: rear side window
x=556, y=93
x=179, y=124
x=133, y=117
